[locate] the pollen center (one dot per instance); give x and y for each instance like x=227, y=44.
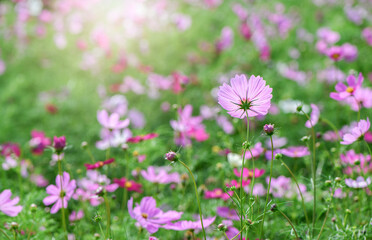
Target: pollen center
x=145, y=215
x=245, y=104
x=349, y=89
x=128, y=184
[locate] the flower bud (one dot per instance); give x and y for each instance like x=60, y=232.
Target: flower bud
x=273, y=208
x=333, y=219
x=232, y=188
x=222, y=227
x=97, y=236
x=84, y=145
x=278, y=156
x=328, y=183
x=357, y=162
x=97, y=218
x=299, y=108
x=246, y=145
x=338, y=179
x=59, y=144
x=14, y=225
x=248, y=222
x=347, y=211
x=100, y=191
x=269, y=129
x=305, y=138
x=33, y=207
x=171, y=156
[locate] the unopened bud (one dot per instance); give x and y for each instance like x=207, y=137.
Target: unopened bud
x=347, y=211
x=33, y=207
x=100, y=191
x=269, y=129
x=248, y=222
x=273, y=208
x=171, y=156
x=246, y=145
x=14, y=225
x=222, y=227
x=305, y=138
x=84, y=145
x=299, y=108
x=97, y=218
x=333, y=219
x=357, y=162
x=97, y=236
x=278, y=156
x=338, y=179
x=328, y=183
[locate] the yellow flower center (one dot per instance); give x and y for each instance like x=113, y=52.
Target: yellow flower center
x=349, y=89
x=128, y=184
x=145, y=215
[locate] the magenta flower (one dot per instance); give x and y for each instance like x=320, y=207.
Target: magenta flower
x=59, y=143
x=60, y=193
x=360, y=182
x=295, y=152
x=357, y=133
x=228, y=213
x=188, y=127
x=112, y=121
x=248, y=173
x=8, y=149
x=8, y=206
x=314, y=116
x=243, y=95
x=99, y=164
x=38, y=142
x=344, y=91
x=150, y=217
x=140, y=138
x=160, y=175
x=187, y=225
x=130, y=185
x=218, y=193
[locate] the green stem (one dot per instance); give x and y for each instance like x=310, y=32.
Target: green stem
x=331, y=125
x=91, y=155
x=4, y=233
x=289, y=221
x=108, y=215
x=62, y=208
x=369, y=149
x=324, y=222
x=241, y=179
x=15, y=234
x=241, y=231
x=100, y=227
x=125, y=195
x=197, y=197
x=33, y=224
x=314, y=173
x=253, y=178
x=298, y=187
x=268, y=189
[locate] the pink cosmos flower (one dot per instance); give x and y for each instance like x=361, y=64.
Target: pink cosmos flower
x=350, y=52
x=314, y=116
x=228, y=213
x=130, y=185
x=150, y=217
x=38, y=142
x=295, y=151
x=218, y=193
x=187, y=225
x=187, y=127
x=248, y=173
x=226, y=39
x=362, y=97
x=98, y=164
x=116, y=104
x=59, y=143
x=258, y=190
x=140, y=138
x=115, y=138
x=112, y=121
x=367, y=35
x=39, y=180
x=350, y=158
x=160, y=175
x=357, y=133
x=360, y=182
x=243, y=95
x=8, y=206
x=335, y=53
x=344, y=91
x=60, y=193
x=8, y=149
x=74, y=216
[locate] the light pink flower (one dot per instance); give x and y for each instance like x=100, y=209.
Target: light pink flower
x=187, y=225
x=295, y=151
x=257, y=150
x=74, y=216
x=360, y=182
x=357, y=133
x=160, y=175
x=112, y=121
x=8, y=206
x=243, y=95
x=314, y=116
x=64, y=187
x=226, y=39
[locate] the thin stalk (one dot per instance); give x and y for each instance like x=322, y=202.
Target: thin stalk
x=331, y=125
x=241, y=178
x=62, y=208
x=15, y=234
x=358, y=107
x=108, y=216
x=298, y=187
x=4, y=233
x=289, y=221
x=33, y=224
x=369, y=149
x=91, y=155
x=224, y=233
x=100, y=227
x=268, y=189
x=324, y=222
x=125, y=194
x=314, y=172
x=197, y=197
x=253, y=178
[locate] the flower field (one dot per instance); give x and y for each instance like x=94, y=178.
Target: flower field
x=185, y=119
